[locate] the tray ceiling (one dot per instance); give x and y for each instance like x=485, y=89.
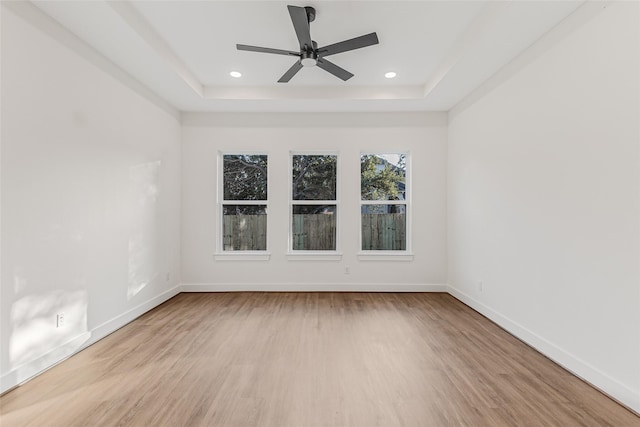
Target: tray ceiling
x=184, y=50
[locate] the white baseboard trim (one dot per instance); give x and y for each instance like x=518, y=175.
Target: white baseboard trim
x=28, y=370
x=610, y=386
x=583, y=370
x=118, y=322
x=313, y=287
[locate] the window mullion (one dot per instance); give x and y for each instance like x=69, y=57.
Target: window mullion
x=245, y=202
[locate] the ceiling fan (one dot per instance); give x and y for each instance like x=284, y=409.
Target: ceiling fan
x=309, y=54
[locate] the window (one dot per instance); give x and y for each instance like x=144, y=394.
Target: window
x=244, y=202
x=314, y=202
x=383, y=202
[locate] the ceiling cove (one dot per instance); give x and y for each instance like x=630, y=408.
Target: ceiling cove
x=184, y=51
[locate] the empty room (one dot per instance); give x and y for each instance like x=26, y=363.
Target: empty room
x=323, y=213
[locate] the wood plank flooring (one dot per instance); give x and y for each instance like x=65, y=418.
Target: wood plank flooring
x=310, y=359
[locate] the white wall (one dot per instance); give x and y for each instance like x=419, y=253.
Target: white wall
x=204, y=135
x=90, y=197
x=543, y=199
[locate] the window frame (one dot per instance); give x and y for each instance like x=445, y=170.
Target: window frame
x=314, y=255
x=387, y=255
x=240, y=255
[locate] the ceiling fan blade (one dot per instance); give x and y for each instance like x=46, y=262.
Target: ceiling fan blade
x=301, y=25
x=332, y=68
x=265, y=50
x=351, y=44
x=290, y=72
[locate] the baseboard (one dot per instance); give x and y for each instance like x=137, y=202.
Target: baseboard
x=583, y=370
x=610, y=386
x=118, y=322
x=28, y=370
x=312, y=287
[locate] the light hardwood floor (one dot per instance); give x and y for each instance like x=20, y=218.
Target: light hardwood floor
x=310, y=359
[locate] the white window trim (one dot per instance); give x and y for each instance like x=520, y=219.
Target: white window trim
x=243, y=256
x=220, y=254
x=314, y=256
x=376, y=255
x=302, y=255
x=385, y=256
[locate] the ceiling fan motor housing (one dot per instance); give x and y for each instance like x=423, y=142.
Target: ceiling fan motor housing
x=309, y=58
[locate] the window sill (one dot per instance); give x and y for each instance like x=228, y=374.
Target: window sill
x=385, y=256
x=242, y=256
x=314, y=256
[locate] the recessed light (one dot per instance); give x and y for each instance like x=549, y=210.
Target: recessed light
x=235, y=74
x=390, y=75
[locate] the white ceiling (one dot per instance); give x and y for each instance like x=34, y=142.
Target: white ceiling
x=184, y=50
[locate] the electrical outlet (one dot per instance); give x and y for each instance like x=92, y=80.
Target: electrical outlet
x=167, y=276
x=480, y=286
x=59, y=320
x=347, y=270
